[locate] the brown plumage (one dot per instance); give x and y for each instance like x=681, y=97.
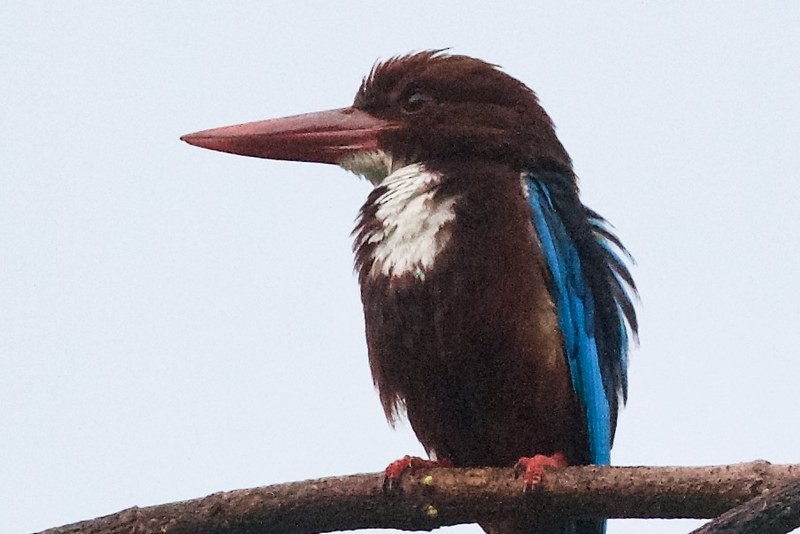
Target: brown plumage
x=472, y=352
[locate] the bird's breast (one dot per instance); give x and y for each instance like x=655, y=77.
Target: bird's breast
x=404, y=226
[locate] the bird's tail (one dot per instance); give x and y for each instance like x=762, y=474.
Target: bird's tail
x=585, y=526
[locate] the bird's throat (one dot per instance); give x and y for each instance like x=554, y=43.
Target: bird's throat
x=404, y=225
x=375, y=166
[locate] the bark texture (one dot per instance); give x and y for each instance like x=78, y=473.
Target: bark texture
x=429, y=498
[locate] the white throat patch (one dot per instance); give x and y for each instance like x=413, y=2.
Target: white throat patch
x=413, y=226
x=374, y=166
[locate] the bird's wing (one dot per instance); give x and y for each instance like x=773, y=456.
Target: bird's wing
x=571, y=244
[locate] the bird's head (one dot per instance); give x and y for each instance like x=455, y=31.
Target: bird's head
x=419, y=108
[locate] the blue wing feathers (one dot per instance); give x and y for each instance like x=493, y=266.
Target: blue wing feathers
x=589, y=286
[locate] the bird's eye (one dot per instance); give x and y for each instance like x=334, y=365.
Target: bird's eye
x=415, y=102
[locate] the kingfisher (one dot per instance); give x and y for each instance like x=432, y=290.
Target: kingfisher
x=499, y=309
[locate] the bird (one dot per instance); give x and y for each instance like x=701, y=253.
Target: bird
x=499, y=310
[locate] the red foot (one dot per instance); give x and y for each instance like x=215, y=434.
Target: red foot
x=396, y=469
x=531, y=468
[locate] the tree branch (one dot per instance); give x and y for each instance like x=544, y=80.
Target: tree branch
x=426, y=499
x=775, y=511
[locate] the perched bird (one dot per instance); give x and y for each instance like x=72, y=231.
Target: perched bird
x=498, y=307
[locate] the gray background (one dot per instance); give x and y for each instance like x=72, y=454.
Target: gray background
x=175, y=322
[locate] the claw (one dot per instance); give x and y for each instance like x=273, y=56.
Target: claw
x=396, y=469
x=531, y=468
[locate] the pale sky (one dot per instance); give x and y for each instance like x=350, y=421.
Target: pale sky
x=176, y=322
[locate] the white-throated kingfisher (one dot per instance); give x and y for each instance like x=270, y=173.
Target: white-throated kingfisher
x=498, y=307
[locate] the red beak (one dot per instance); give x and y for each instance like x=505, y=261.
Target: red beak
x=323, y=137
